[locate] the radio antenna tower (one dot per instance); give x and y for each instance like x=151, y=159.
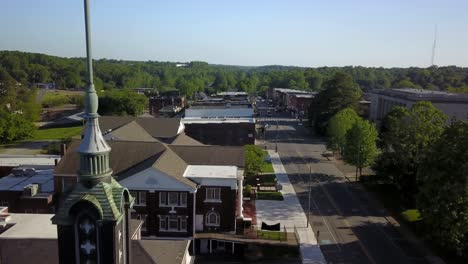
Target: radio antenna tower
x=434, y=46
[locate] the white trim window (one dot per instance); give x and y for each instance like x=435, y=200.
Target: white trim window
x=213, y=194
x=140, y=197
x=173, y=224
x=162, y=198
x=162, y=223
x=173, y=199
x=183, y=199
x=212, y=219
x=183, y=223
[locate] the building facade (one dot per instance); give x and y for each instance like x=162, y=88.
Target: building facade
x=455, y=106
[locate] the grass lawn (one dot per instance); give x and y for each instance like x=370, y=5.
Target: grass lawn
x=267, y=167
x=277, y=196
x=271, y=235
x=56, y=133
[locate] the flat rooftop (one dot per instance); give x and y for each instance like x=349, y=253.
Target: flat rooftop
x=206, y=171
x=305, y=95
x=191, y=120
x=427, y=95
x=219, y=112
x=37, y=226
x=45, y=179
x=287, y=90
x=29, y=160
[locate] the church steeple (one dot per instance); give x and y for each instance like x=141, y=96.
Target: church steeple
x=93, y=218
x=94, y=151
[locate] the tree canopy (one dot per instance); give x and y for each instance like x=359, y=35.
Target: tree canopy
x=360, y=147
x=338, y=93
x=338, y=125
x=66, y=73
x=253, y=160
x=407, y=135
x=122, y=102
x=443, y=197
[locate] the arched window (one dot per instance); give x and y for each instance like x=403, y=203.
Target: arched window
x=212, y=219
x=86, y=238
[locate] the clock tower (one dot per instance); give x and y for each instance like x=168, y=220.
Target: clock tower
x=93, y=218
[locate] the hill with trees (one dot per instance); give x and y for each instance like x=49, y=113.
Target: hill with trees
x=67, y=73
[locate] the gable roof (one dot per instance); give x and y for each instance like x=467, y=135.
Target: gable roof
x=173, y=165
x=159, y=127
x=184, y=140
x=124, y=155
x=130, y=132
x=159, y=251
x=211, y=155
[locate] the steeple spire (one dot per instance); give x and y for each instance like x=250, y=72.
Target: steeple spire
x=93, y=218
x=93, y=150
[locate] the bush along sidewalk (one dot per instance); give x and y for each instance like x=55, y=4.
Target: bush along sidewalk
x=277, y=196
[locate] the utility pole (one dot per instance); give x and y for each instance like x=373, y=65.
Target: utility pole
x=310, y=194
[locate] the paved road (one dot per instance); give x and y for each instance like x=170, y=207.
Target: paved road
x=352, y=226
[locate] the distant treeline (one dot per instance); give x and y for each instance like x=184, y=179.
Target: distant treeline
x=28, y=68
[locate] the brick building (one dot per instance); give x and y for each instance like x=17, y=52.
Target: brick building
x=178, y=189
x=27, y=190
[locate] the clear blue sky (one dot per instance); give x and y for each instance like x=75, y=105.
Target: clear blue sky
x=388, y=33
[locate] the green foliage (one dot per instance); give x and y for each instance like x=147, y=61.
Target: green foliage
x=14, y=126
x=338, y=93
x=58, y=99
x=122, y=102
x=61, y=133
x=248, y=190
x=338, y=125
x=443, y=197
x=404, y=141
x=254, y=159
x=267, y=167
x=69, y=73
x=276, y=196
x=271, y=235
x=360, y=147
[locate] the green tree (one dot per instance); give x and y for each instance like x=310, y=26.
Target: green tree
x=338, y=125
x=14, y=126
x=339, y=93
x=404, y=142
x=253, y=160
x=443, y=197
x=360, y=147
x=122, y=102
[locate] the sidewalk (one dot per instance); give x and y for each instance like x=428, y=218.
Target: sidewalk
x=290, y=214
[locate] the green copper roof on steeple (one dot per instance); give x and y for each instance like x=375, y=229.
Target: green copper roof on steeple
x=95, y=183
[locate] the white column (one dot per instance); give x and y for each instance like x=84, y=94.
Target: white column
x=240, y=188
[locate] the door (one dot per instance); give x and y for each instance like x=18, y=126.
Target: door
x=199, y=223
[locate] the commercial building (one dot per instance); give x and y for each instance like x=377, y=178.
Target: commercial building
x=221, y=125
x=295, y=101
x=166, y=105
x=455, y=106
